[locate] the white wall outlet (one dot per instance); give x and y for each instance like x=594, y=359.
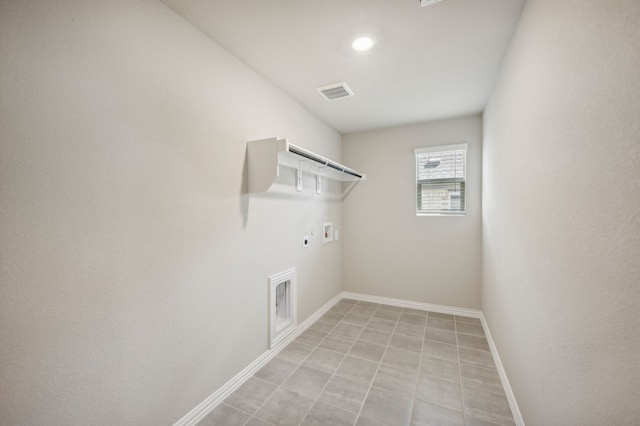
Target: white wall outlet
x=336, y=235
x=305, y=241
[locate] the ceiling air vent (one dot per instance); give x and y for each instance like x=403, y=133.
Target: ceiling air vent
x=425, y=3
x=335, y=91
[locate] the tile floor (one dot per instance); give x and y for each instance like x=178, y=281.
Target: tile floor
x=366, y=364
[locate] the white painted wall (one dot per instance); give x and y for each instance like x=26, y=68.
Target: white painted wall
x=561, y=222
x=133, y=270
x=388, y=250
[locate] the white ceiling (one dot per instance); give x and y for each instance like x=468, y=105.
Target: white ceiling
x=429, y=62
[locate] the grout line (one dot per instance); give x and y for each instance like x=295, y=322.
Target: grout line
x=379, y=363
x=440, y=378
x=415, y=392
x=485, y=390
x=332, y=374
x=482, y=336
x=475, y=349
x=464, y=416
x=317, y=399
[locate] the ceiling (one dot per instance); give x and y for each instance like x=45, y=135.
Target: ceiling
x=428, y=63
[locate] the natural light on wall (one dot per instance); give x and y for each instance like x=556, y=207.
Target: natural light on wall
x=441, y=180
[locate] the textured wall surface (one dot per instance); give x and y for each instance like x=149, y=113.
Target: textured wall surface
x=561, y=213
x=133, y=274
x=388, y=250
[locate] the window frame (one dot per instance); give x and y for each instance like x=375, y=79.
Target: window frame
x=463, y=181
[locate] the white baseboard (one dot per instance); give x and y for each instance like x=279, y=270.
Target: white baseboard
x=206, y=406
x=515, y=410
x=474, y=313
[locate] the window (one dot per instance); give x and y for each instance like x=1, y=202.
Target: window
x=441, y=174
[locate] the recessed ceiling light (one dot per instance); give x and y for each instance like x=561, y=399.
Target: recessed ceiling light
x=362, y=43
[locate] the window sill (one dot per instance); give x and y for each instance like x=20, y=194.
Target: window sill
x=441, y=214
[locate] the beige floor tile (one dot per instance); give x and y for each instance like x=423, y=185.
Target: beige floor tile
x=396, y=380
x=322, y=414
x=225, y=415
x=388, y=407
x=468, y=328
x=400, y=358
x=407, y=343
x=307, y=381
x=427, y=414
x=487, y=406
x=345, y=393
x=473, y=342
x=475, y=357
x=324, y=360
x=440, y=392
x=375, y=336
x=440, y=368
x=412, y=330
x=251, y=395
x=440, y=350
x=276, y=371
x=357, y=370
x=337, y=343
x=442, y=336
x=368, y=351
x=441, y=324
x=284, y=408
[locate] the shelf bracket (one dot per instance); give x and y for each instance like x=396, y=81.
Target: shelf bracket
x=299, y=178
x=318, y=182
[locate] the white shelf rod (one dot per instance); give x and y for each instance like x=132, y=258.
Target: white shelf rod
x=325, y=162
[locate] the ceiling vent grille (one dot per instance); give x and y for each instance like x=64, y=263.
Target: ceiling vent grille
x=425, y=3
x=335, y=91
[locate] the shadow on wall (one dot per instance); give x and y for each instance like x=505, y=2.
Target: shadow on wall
x=284, y=187
x=244, y=191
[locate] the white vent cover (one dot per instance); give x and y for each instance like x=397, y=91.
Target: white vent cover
x=424, y=3
x=283, y=306
x=331, y=92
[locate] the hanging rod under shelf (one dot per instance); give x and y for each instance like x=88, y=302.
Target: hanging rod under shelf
x=326, y=162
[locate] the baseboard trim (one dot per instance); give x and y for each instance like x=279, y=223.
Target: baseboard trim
x=205, y=407
x=464, y=312
x=515, y=410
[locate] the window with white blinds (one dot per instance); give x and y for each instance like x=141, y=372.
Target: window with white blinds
x=441, y=174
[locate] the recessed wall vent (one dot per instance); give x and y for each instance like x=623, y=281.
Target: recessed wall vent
x=335, y=91
x=283, y=306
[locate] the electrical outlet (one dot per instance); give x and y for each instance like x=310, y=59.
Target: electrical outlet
x=305, y=241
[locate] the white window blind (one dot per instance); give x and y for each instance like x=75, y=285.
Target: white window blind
x=441, y=174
